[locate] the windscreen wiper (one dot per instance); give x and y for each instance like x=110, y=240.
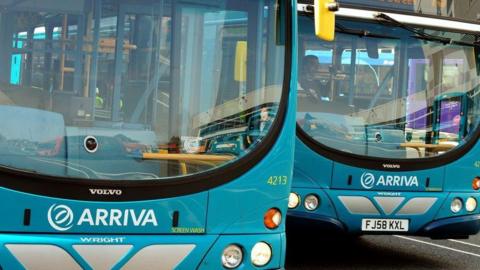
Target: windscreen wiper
x=424, y=36
x=452, y=42
x=419, y=34
x=361, y=33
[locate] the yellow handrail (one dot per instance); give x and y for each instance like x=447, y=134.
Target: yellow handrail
x=192, y=158
x=188, y=157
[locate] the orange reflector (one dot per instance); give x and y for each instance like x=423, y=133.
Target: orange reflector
x=476, y=183
x=272, y=218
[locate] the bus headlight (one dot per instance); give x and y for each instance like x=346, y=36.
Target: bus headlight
x=471, y=204
x=311, y=202
x=456, y=205
x=261, y=254
x=293, y=200
x=232, y=256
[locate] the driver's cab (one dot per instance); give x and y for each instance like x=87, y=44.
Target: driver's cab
x=350, y=83
x=385, y=89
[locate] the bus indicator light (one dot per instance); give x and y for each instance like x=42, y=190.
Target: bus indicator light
x=273, y=218
x=476, y=183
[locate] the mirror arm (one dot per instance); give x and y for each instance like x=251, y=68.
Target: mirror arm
x=333, y=7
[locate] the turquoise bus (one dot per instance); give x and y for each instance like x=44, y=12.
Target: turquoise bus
x=388, y=121
x=105, y=161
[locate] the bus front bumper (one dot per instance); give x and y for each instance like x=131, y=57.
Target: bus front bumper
x=77, y=252
x=425, y=213
x=454, y=227
x=301, y=222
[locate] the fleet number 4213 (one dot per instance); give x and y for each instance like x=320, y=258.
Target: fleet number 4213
x=280, y=180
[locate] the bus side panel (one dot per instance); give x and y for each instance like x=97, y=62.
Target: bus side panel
x=460, y=174
x=308, y=161
x=240, y=206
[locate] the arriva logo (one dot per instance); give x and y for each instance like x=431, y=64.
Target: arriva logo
x=61, y=218
x=368, y=181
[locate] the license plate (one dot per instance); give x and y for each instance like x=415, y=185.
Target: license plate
x=385, y=225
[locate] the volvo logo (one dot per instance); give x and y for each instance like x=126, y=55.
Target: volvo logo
x=391, y=166
x=106, y=192
x=60, y=217
x=367, y=180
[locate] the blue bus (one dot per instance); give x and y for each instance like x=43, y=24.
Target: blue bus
x=103, y=158
x=388, y=122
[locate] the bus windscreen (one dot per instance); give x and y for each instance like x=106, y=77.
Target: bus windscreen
x=387, y=96
x=132, y=90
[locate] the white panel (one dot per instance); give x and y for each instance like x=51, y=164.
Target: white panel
x=417, y=206
x=102, y=257
x=358, y=205
x=159, y=257
x=389, y=204
x=43, y=257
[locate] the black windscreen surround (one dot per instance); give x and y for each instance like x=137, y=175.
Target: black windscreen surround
x=158, y=98
x=388, y=96
x=136, y=90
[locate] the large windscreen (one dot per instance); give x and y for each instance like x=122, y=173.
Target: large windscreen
x=136, y=89
x=388, y=92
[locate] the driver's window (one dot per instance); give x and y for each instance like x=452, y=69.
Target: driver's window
x=315, y=77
